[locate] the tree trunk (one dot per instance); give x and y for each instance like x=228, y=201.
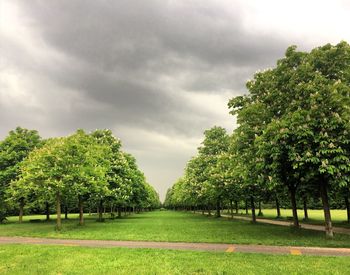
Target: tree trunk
x=66, y=212
x=47, y=211
x=306, y=215
x=236, y=206
x=326, y=210
x=21, y=206
x=294, y=206
x=231, y=208
x=112, y=211
x=119, y=212
x=278, y=207
x=100, y=209
x=246, y=206
x=260, y=212
x=81, y=211
x=209, y=211
x=58, y=210
x=253, y=209
x=218, y=208
x=347, y=204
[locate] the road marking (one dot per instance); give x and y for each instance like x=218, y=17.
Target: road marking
x=295, y=252
x=230, y=249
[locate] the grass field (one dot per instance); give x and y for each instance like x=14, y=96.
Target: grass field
x=339, y=217
x=175, y=226
x=14, y=259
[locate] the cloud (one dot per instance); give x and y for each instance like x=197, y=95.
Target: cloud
x=156, y=72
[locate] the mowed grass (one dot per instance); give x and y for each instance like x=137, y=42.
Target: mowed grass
x=316, y=216
x=38, y=259
x=175, y=227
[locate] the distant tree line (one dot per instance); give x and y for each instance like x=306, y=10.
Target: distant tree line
x=292, y=141
x=80, y=172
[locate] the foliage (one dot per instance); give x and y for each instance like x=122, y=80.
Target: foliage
x=293, y=134
x=13, y=150
x=86, y=168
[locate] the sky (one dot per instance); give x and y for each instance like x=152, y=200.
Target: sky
x=157, y=73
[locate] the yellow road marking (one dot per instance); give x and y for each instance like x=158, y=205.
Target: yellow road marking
x=295, y=252
x=230, y=249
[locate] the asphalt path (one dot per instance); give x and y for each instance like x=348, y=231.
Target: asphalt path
x=218, y=247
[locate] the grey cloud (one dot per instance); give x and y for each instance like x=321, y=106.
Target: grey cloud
x=149, y=66
x=132, y=34
x=126, y=46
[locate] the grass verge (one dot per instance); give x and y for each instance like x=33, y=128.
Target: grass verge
x=316, y=216
x=37, y=259
x=176, y=227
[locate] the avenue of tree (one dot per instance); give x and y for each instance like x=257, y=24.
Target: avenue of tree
x=74, y=173
x=291, y=146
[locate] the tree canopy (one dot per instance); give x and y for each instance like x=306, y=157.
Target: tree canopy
x=293, y=133
x=83, y=168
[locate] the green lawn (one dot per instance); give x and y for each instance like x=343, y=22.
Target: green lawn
x=176, y=226
x=339, y=217
x=38, y=259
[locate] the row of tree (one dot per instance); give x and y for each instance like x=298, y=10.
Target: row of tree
x=81, y=170
x=293, y=137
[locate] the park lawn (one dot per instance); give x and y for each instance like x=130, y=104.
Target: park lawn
x=43, y=259
x=316, y=216
x=176, y=227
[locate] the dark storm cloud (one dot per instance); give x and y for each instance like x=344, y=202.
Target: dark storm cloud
x=128, y=34
x=156, y=72
x=124, y=48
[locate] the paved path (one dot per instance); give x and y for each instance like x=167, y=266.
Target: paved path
x=229, y=248
x=341, y=230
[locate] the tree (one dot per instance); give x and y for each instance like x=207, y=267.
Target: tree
x=64, y=165
x=127, y=186
x=214, y=147
x=197, y=187
x=13, y=150
x=277, y=161
x=117, y=192
x=304, y=114
x=87, y=167
x=206, y=175
x=251, y=117
x=45, y=168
